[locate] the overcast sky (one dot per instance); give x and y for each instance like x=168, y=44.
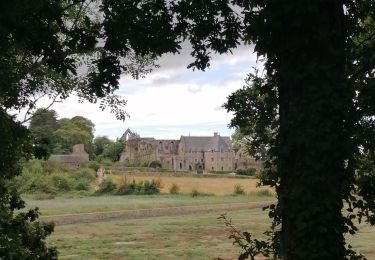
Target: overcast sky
x=172, y=100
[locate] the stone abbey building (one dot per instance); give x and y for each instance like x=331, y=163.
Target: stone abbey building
x=209, y=153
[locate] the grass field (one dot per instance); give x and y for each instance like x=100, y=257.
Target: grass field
x=63, y=205
x=191, y=236
x=198, y=236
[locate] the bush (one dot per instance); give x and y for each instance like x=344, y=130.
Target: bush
x=155, y=164
x=81, y=184
x=140, y=188
x=84, y=173
x=94, y=165
x=123, y=186
x=43, y=184
x=36, y=167
x=52, y=166
x=246, y=172
x=174, y=189
x=194, y=193
x=105, y=161
x=24, y=181
x=150, y=187
x=61, y=181
x=238, y=190
x=107, y=186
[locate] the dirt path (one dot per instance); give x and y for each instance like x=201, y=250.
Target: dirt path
x=146, y=213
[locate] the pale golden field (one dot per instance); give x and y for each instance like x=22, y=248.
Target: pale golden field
x=210, y=185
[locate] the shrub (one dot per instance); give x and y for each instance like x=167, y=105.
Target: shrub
x=61, y=181
x=174, y=189
x=43, y=184
x=140, y=188
x=123, y=186
x=247, y=172
x=150, y=187
x=194, y=193
x=84, y=173
x=52, y=166
x=238, y=190
x=36, y=167
x=24, y=181
x=155, y=164
x=107, y=186
x=105, y=161
x=94, y=165
x=81, y=184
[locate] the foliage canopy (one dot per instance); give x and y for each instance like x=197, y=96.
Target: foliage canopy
x=312, y=110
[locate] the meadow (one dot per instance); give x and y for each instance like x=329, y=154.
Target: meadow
x=198, y=236
x=190, y=236
x=216, y=185
x=68, y=205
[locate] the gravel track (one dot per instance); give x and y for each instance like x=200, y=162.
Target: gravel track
x=147, y=213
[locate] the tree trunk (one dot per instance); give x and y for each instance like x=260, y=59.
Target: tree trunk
x=313, y=141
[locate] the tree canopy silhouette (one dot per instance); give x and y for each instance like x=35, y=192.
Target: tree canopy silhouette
x=314, y=102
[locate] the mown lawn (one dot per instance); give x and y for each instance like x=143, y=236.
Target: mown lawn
x=66, y=205
x=199, y=236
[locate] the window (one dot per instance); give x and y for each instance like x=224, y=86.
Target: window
x=222, y=159
x=212, y=159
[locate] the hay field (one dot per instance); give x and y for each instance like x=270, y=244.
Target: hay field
x=210, y=185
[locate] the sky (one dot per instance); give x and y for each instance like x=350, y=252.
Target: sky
x=172, y=100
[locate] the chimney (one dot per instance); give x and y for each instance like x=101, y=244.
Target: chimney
x=216, y=134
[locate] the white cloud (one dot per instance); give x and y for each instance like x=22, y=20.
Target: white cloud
x=172, y=100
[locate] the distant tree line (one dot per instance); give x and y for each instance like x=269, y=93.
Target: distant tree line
x=58, y=136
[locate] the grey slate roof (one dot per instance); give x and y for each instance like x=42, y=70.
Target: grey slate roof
x=67, y=158
x=206, y=143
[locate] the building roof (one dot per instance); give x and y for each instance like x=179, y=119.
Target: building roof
x=67, y=158
x=206, y=143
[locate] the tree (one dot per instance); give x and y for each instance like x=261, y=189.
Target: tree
x=21, y=236
x=113, y=151
x=308, y=109
x=106, y=148
x=42, y=126
x=237, y=139
x=77, y=130
x=315, y=70
x=100, y=144
x=318, y=67
x=42, y=44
